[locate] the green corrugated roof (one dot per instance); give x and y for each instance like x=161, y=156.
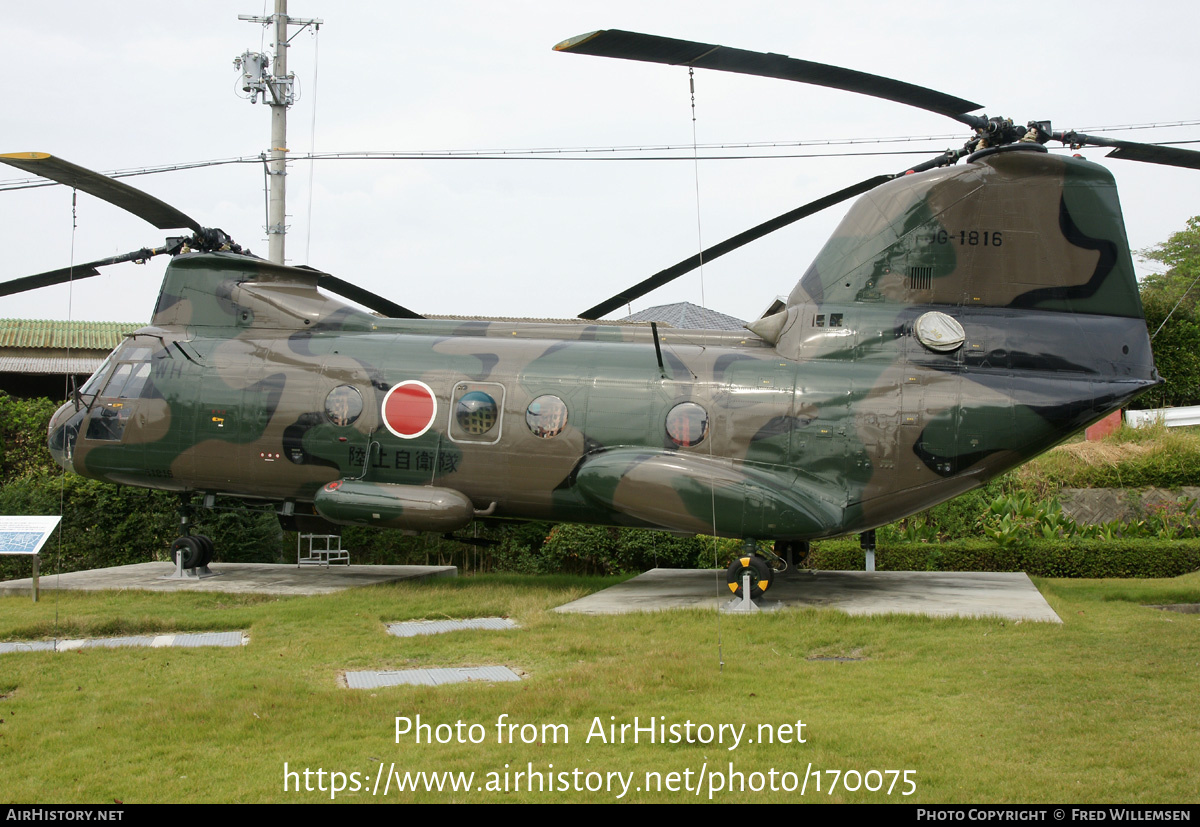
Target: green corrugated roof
x=46, y=333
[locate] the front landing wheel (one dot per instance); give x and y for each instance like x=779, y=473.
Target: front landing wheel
x=189, y=549
x=760, y=573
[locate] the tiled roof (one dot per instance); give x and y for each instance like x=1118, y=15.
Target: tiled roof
x=687, y=316
x=43, y=333
x=522, y=320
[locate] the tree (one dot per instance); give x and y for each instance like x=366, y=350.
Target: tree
x=1171, y=300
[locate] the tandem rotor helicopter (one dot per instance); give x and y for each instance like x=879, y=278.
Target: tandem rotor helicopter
x=968, y=313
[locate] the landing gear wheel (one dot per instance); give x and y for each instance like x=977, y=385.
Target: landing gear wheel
x=760, y=573
x=187, y=549
x=206, y=548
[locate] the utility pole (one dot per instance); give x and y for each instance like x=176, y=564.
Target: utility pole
x=258, y=78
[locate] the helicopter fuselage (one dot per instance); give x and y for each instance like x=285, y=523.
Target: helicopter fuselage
x=843, y=413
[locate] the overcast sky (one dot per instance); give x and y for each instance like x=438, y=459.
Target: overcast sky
x=132, y=84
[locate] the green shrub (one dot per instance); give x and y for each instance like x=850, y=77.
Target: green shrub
x=23, y=427
x=1042, y=558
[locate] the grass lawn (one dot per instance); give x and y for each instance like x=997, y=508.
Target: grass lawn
x=1098, y=709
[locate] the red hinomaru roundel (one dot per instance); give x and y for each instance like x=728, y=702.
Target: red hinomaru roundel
x=409, y=409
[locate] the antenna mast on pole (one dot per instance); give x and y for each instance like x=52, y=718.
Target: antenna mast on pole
x=277, y=89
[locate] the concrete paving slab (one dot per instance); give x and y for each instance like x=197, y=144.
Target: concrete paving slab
x=184, y=639
x=256, y=578
x=429, y=677
x=415, y=628
x=1009, y=595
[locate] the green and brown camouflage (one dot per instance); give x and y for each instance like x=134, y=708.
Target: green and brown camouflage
x=832, y=416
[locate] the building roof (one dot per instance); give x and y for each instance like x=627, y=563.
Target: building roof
x=687, y=316
x=525, y=320
x=51, y=365
x=59, y=335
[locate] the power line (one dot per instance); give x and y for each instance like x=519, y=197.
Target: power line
x=579, y=154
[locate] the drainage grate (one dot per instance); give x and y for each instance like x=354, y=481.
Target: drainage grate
x=413, y=628
x=153, y=641
x=429, y=677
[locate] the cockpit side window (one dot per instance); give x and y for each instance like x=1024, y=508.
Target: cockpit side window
x=137, y=381
x=116, y=385
x=96, y=381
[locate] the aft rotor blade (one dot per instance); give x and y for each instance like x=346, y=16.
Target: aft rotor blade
x=741, y=239
x=75, y=273
x=131, y=199
x=366, y=298
x=655, y=49
x=1132, y=151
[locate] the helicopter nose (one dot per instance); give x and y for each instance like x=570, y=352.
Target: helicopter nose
x=64, y=428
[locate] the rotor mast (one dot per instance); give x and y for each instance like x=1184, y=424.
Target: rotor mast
x=279, y=85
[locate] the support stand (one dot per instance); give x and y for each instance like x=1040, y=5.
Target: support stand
x=743, y=604
x=197, y=573
x=867, y=541
x=195, y=549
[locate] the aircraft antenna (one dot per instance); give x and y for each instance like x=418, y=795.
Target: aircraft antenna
x=271, y=79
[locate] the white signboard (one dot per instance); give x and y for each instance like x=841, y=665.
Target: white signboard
x=25, y=535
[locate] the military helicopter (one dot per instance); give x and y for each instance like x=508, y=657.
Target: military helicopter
x=963, y=318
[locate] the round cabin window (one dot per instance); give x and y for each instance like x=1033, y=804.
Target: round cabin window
x=476, y=413
x=687, y=424
x=343, y=405
x=546, y=416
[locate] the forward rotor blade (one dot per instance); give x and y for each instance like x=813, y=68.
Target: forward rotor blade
x=741, y=239
x=366, y=298
x=655, y=49
x=131, y=199
x=79, y=271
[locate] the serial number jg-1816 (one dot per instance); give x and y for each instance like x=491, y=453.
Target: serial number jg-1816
x=969, y=238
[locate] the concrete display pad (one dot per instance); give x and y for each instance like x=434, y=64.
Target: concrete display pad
x=1009, y=595
x=257, y=578
x=185, y=640
x=429, y=677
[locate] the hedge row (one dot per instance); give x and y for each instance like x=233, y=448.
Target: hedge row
x=1042, y=558
x=106, y=526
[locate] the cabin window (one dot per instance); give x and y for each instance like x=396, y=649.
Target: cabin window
x=343, y=405
x=107, y=423
x=835, y=319
x=546, y=416
x=687, y=424
x=476, y=413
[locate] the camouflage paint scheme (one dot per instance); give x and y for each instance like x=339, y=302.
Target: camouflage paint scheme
x=833, y=419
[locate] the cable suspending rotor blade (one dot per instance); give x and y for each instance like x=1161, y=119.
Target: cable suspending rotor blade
x=728, y=245
x=131, y=199
x=366, y=298
x=75, y=273
x=655, y=49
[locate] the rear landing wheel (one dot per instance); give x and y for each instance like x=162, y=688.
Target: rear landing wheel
x=760, y=573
